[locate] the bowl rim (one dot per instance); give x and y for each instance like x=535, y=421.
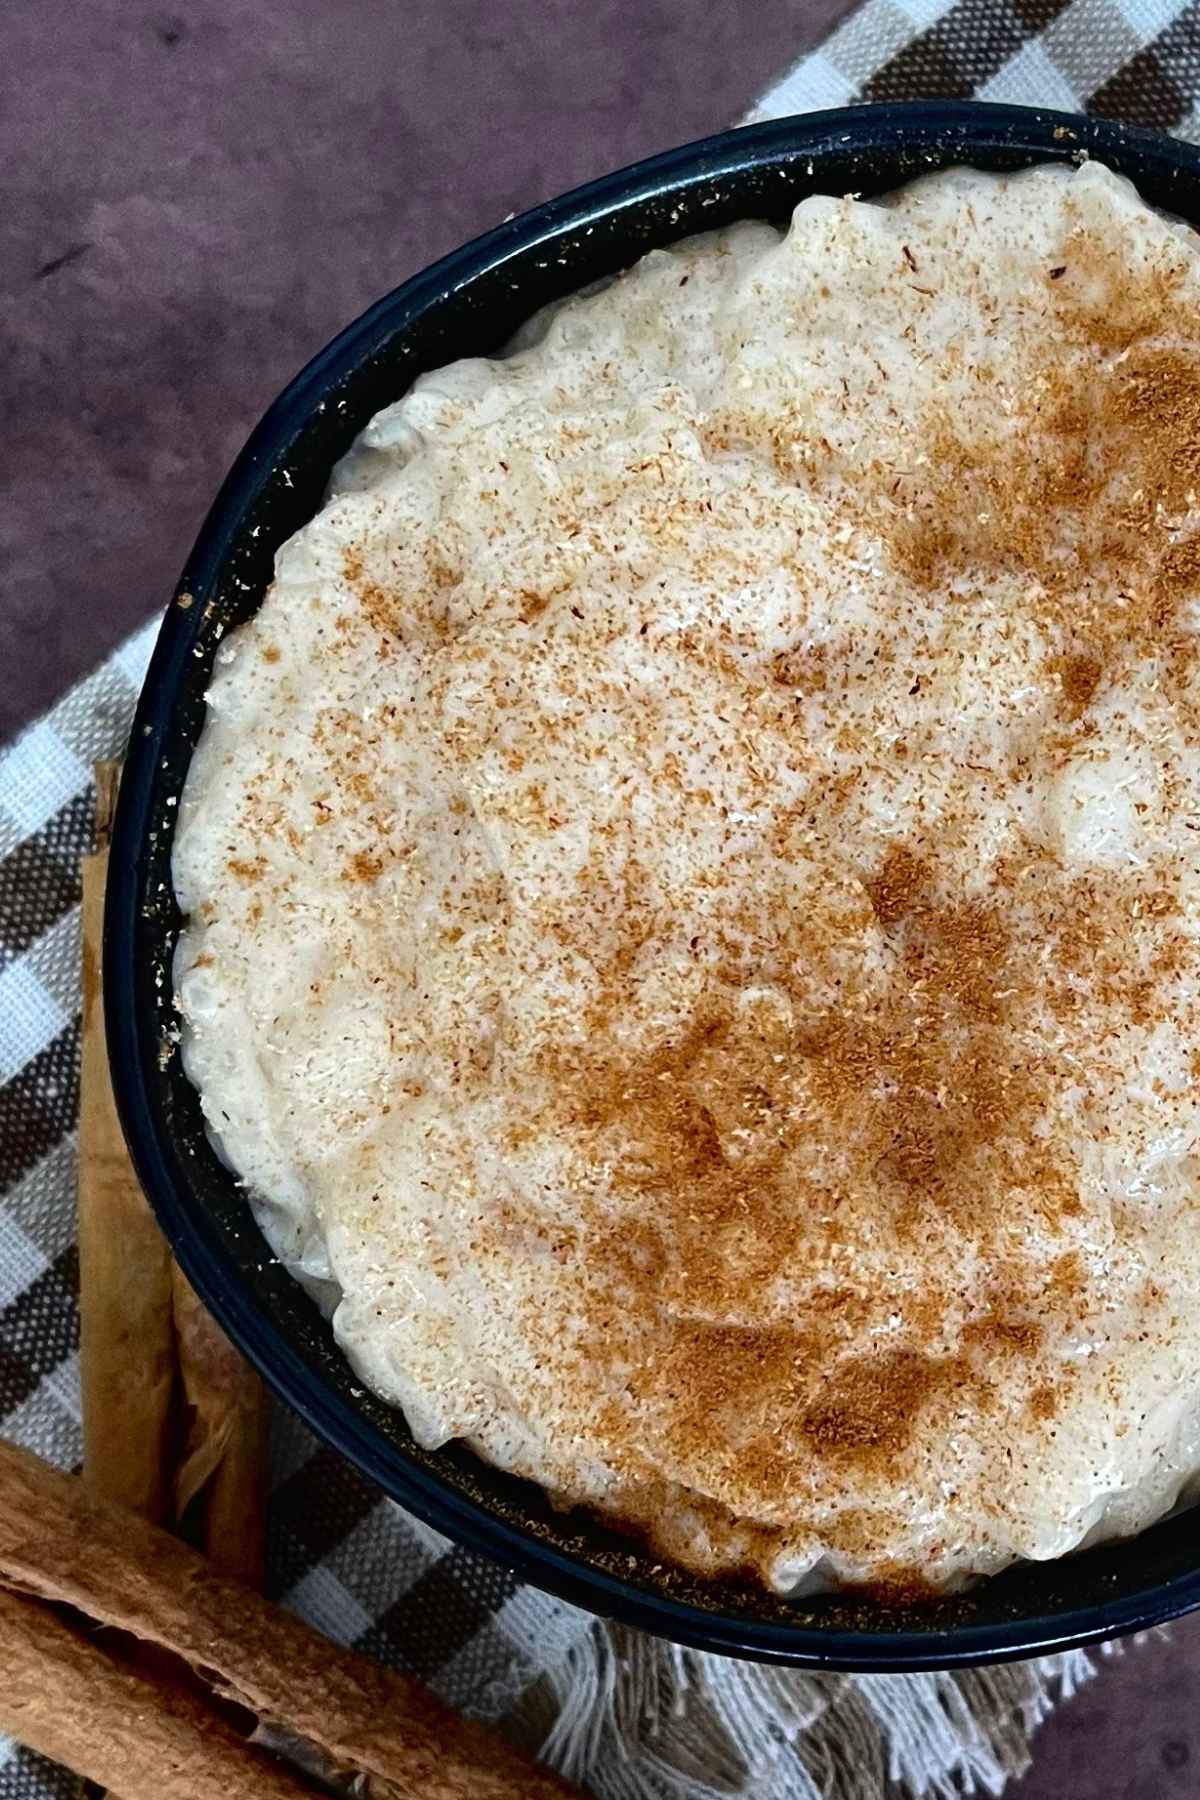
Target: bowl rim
x=1033, y=134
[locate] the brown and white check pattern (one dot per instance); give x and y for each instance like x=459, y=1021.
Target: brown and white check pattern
x=358, y=1568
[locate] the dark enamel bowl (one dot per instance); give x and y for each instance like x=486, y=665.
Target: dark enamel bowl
x=469, y=304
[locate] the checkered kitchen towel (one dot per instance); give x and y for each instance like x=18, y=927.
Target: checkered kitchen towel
x=627, y=1715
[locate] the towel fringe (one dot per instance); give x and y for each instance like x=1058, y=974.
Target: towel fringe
x=640, y=1719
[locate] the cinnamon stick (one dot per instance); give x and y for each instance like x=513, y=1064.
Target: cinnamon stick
x=127, y=1333
x=174, y=1420
x=65, y=1698
x=62, y=1543
x=223, y=1454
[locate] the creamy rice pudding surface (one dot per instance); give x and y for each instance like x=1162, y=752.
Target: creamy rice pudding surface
x=691, y=883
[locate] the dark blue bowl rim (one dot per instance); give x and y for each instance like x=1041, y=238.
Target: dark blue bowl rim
x=951, y=131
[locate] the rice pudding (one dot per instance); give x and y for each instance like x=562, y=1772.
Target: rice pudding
x=690, y=875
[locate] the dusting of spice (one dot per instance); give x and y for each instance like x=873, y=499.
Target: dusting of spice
x=692, y=938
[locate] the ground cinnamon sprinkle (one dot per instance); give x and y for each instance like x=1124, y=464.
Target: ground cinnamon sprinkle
x=1080, y=674
x=247, y=868
x=1156, y=395
x=1043, y=1403
x=364, y=866
x=898, y=883
x=731, y=798
x=922, y=1093
x=871, y=1407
